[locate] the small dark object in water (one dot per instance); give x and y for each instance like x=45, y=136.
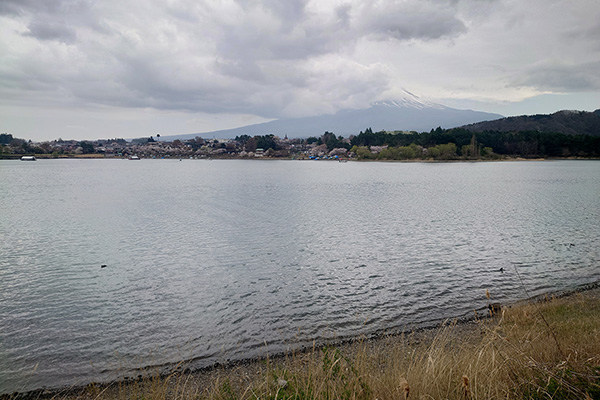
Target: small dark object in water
x=103, y=266
x=501, y=270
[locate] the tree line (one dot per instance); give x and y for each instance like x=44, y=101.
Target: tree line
x=462, y=143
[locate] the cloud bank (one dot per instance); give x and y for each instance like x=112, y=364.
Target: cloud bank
x=271, y=59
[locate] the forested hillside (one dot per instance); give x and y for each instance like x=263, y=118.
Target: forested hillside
x=567, y=122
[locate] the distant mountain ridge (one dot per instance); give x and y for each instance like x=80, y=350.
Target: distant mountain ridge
x=408, y=113
x=567, y=122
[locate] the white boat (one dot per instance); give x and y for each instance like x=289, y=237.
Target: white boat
x=134, y=158
x=28, y=158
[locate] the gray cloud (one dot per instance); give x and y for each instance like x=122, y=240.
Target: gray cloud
x=20, y=7
x=263, y=33
x=411, y=20
x=54, y=19
x=290, y=32
x=586, y=33
x=291, y=10
x=51, y=31
x=561, y=77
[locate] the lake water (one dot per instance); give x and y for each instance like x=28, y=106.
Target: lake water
x=215, y=260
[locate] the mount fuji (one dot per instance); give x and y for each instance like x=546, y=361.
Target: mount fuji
x=408, y=113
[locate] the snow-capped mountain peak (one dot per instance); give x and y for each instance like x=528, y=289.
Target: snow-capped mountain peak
x=407, y=100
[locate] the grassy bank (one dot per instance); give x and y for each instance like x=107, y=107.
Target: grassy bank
x=540, y=350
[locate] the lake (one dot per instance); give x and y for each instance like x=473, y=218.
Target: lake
x=210, y=261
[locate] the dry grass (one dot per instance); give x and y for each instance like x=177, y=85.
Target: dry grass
x=512, y=356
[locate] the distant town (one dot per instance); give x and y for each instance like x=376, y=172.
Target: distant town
x=266, y=146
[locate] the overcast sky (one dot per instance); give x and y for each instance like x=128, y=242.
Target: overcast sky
x=85, y=69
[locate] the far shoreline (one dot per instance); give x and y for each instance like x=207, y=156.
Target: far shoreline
x=17, y=157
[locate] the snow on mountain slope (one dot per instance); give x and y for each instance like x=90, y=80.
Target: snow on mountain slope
x=408, y=100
